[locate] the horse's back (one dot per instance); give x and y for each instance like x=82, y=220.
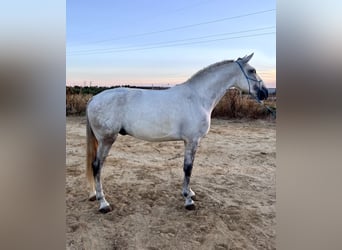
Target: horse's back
x=111, y=98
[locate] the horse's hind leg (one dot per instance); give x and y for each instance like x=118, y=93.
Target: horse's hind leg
x=189, y=157
x=102, y=152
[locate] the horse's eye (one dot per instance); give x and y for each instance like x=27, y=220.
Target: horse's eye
x=252, y=71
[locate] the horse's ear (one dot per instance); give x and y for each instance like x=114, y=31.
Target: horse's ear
x=245, y=59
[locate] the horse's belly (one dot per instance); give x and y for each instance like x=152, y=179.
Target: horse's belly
x=154, y=130
x=156, y=137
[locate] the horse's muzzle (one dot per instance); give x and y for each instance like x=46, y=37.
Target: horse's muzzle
x=262, y=93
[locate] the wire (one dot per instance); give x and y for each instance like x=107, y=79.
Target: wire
x=171, y=45
x=174, y=41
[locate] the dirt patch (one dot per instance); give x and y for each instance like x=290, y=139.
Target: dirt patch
x=233, y=177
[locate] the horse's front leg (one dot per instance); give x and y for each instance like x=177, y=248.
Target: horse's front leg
x=189, y=157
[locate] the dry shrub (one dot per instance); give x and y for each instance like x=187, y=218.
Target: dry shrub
x=76, y=104
x=237, y=106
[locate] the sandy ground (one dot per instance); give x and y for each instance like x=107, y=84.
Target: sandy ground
x=233, y=178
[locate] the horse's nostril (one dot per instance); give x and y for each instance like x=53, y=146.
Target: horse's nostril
x=263, y=94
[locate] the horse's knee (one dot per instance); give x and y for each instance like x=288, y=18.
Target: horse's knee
x=96, y=166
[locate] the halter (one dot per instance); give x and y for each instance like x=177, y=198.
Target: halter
x=249, y=90
x=248, y=78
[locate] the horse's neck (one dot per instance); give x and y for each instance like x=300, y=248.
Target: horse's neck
x=212, y=87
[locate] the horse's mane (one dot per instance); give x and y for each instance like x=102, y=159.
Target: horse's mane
x=206, y=70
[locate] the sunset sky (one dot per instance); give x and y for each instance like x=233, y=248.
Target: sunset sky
x=154, y=42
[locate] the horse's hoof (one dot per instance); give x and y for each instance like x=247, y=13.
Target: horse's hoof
x=189, y=204
x=92, y=198
x=190, y=207
x=105, y=210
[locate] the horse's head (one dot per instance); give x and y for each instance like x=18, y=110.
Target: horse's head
x=250, y=81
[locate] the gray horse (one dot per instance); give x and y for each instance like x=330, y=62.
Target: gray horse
x=179, y=113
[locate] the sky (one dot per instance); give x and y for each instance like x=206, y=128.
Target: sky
x=163, y=43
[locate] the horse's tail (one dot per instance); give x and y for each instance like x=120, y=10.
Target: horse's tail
x=91, y=154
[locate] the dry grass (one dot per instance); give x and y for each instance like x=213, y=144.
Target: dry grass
x=233, y=105
x=76, y=104
x=237, y=106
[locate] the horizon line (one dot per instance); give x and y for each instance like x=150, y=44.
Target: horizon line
x=132, y=85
